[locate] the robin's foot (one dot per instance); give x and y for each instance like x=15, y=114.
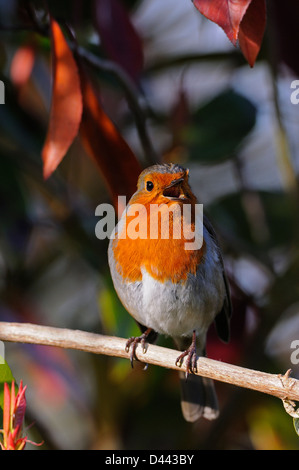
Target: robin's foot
x=133, y=342
x=191, y=366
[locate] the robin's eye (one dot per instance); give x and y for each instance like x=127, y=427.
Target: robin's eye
x=149, y=185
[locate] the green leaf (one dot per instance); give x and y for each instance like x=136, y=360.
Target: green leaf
x=219, y=127
x=5, y=376
x=296, y=425
x=230, y=212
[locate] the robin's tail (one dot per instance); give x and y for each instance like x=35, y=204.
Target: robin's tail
x=198, y=397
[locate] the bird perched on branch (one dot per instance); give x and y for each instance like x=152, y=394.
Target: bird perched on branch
x=167, y=282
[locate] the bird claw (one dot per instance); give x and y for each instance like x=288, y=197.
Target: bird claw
x=132, y=344
x=191, y=366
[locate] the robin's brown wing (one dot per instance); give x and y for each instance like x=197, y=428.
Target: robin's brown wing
x=222, y=319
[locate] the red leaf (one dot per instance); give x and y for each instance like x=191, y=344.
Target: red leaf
x=106, y=146
x=12, y=398
x=119, y=37
x=6, y=409
x=66, y=107
x=20, y=406
x=22, y=64
x=228, y=14
x=252, y=30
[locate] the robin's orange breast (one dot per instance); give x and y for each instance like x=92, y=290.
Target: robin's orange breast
x=163, y=258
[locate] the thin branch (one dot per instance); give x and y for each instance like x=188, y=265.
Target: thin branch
x=283, y=151
x=233, y=58
x=131, y=92
x=132, y=96
x=283, y=387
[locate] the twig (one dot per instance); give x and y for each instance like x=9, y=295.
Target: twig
x=112, y=346
x=131, y=92
x=233, y=57
x=132, y=96
x=283, y=151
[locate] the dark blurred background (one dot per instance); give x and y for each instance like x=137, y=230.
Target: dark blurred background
x=236, y=129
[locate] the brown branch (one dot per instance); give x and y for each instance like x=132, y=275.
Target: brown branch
x=283, y=387
x=133, y=97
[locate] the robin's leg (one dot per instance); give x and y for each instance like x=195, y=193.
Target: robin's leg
x=133, y=342
x=191, y=357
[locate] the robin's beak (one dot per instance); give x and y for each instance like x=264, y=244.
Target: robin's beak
x=174, y=191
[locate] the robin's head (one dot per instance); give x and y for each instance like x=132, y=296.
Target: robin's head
x=164, y=184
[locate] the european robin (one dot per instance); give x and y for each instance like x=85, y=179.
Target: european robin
x=167, y=288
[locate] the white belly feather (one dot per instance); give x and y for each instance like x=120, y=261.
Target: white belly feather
x=175, y=309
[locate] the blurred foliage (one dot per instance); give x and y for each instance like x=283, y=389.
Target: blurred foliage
x=206, y=109
x=226, y=119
